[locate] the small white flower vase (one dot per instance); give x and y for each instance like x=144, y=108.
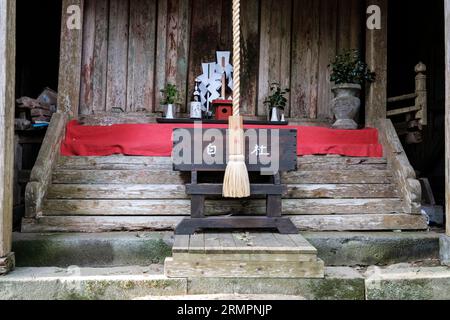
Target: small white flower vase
x=169, y=114
x=274, y=115
x=283, y=118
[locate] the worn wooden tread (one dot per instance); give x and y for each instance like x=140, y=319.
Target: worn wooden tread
x=119, y=177
x=171, y=177
x=308, y=163
x=167, y=191
x=379, y=222
x=247, y=269
x=117, y=191
x=220, y=207
x=339, y=177
x=230, y=243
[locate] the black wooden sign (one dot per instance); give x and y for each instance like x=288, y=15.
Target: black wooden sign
x=267, y=150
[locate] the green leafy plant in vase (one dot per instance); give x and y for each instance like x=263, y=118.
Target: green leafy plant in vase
x=276, y=101
x=349, y=73
x=171, y=96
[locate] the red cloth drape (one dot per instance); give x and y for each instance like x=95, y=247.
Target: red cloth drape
x=155, y=140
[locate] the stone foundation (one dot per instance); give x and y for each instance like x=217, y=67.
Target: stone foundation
x=445, y=250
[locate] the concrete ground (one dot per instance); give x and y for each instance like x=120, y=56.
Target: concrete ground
x=397, y=282
x=127, y=266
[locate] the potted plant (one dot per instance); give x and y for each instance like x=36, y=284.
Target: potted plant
x=171, y=97
x=276, y=101
x=349, y=73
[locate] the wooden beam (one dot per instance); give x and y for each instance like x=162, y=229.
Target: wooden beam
x=70, y=60
x=7, y=84
x=376, y=57
x=447, y=113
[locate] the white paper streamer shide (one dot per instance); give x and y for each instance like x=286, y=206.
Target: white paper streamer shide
x=211, y=79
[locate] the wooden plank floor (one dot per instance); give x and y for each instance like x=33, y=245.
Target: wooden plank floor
x=221, y=243
x=252, y=255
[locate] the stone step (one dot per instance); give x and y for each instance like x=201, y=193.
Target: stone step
x=145, y=248
x=356, y=222
x=128, y=283
x=158, y=191
x=217, y=207
x=403, y=282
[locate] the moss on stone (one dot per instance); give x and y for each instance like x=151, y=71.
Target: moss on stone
x=337, y=289
x=411, y=289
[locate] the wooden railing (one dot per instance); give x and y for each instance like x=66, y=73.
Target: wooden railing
x=404, y=174
x=416, y=115
x=41, y=176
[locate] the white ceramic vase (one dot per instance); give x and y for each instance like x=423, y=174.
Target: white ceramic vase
x=274, y=115
x=170, y=113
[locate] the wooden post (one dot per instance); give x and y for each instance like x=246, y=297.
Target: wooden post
x=421, y=92
x=376, y=57
x=70, y=58
x=7, y=84
x=447, y=114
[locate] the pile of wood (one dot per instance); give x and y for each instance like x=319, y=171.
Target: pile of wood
x=36, y=111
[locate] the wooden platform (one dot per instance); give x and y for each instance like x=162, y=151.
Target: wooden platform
x=250, y=255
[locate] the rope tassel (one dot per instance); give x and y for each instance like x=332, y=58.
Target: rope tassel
x=236, y=183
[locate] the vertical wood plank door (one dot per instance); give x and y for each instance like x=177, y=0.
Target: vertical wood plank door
x=133, y=48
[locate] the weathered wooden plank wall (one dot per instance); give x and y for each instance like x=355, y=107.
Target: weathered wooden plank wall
x=7, y=85
x=132, y=48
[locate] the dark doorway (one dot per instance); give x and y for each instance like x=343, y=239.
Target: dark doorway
x=38, y=39
x=416, y=33
x=37, y=64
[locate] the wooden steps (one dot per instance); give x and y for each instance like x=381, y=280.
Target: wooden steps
x=93, y=194
x=355, y=222
x=249, y=255
x=217, y=207
x=168, y=191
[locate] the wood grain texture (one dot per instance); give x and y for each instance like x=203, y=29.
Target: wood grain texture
x=376, y=58
x=88, y=191
x=141, y=56
x=275, y=49
x=327, y=52
x=70, y=62
x=100, y=56
x=132, y=49
x=248, y=269
x=250, y=55
x=380, y=222
x=305, y=59
x=306, y=163
x=87, y=66
x=447, y=115
x=134, y=191
x=176, y=55
x=206, y=33
x=404, y=174
x=41, y=175
x=116, y=95
x=118, y=177
x=161, y=207
x=7, y=88
x=338, y=177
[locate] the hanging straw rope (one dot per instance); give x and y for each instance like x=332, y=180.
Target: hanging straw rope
x=236, y=183
x=236, y=57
